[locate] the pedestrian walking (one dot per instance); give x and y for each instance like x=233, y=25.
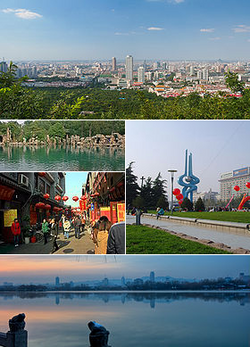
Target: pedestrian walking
x=16, y=231
x=45, y=230
x=54, y=233
x=77, y=225
x=116, y=239
x=66, y=228
x=100, y=235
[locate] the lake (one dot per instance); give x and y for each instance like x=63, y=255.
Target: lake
x=64, y=158
x=163, y=319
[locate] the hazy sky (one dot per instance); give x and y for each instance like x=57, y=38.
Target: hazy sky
x=147, y=29
x=74, y=182
x=26, y=269
x=217, y=147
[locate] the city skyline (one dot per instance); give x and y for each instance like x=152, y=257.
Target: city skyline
x=217, y=147
x=43, y=269
x=173, y=29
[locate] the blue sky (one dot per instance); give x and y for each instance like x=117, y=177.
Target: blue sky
x=45, y=268
x=217, y=147
x=74, y=182
x=147, y=29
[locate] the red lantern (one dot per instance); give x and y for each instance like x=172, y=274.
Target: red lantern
x=236, y=188
x=41, y=174
x=57, y=198
x=176, y=191
x=75, y=198
x=83, y=198
x=180, y=202
x=248, y=184
x=47, y=207
x=65, y=198
x=46, y=196
x=179, y=197
x=40, y=205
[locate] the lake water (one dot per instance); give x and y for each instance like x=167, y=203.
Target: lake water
x=61, y=159
x=133, y=319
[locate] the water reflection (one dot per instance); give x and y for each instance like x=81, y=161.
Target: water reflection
x=66, y=157
x=134, y=319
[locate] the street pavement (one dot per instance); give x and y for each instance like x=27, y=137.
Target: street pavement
x=84, y=245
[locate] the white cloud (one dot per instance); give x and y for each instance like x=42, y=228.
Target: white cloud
x=23, y=13
x=121, y=34
x=208, y=30
x=155, y=29
x=215, y=38
x=241, y=28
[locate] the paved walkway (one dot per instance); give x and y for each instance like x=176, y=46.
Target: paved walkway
x=84, y=245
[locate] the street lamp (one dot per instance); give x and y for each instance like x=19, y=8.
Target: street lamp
x=172, y=185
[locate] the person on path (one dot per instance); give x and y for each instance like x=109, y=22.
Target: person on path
x=16, y=231
x=100, y=235
x=116, y=239
x=54, y=233
x=45, y=230
x=66, y=228
x=77, y=225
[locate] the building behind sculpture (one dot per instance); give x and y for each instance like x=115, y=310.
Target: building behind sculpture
x=229, y=180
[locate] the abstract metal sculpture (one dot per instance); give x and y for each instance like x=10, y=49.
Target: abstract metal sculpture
x=188, y=181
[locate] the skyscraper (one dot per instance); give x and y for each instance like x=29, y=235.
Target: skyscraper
x=141, y=74
x=113, y=64
x=3, y=66
x=129, y=68
x=152, y=276
x=57, y=282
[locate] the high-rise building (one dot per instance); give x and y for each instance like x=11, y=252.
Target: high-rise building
x=141, y=74
x=199, y=74
x=3, y=66
x=129, y=68
x=230, y=179
x=57, y=282
x=205, y=74
x=113, y=64
x=152, y=276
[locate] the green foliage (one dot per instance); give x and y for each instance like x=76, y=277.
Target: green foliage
x=199, y=205
x=162, y=202
x=18, y=101
x=239, y=217
x=187, y=204
x=145, y=240
x=138, y=202
x=132, y=188
x=59, y=129
x=233, y=82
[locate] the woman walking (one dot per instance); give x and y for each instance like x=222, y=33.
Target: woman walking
x=100, y=235
x=16, y=231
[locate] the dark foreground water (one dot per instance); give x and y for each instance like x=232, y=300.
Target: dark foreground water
x=61, y=159
x=133, y=319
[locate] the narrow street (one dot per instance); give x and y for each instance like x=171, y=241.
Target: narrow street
x=84, y=245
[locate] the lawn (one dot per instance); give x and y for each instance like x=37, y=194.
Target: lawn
x=240, y=217
x=145, y=240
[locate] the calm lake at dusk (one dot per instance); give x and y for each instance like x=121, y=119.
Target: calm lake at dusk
x=61, y=158
x=133, y=319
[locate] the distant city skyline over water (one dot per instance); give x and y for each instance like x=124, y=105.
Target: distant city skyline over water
x=44, y=269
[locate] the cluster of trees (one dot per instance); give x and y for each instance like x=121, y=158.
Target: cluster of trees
x=150, y=195
x=60, y=129
x=18, y=101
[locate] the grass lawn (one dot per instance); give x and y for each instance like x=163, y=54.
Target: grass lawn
x=145, y=240
x=240, y=217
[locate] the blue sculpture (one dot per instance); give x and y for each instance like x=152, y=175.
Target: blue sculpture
x=188, y=181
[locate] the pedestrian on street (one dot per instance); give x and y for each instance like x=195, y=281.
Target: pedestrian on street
x=45, y=230
x=116, y=239
x=77, y=224
x=83, y=220
x=16, y=231
x=66, y=228
x=54, y=233
x=100, y=235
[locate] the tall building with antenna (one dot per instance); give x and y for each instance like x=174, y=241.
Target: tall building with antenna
x=129, y=68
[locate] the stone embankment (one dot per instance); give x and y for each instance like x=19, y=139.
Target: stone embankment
x=115, y=140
